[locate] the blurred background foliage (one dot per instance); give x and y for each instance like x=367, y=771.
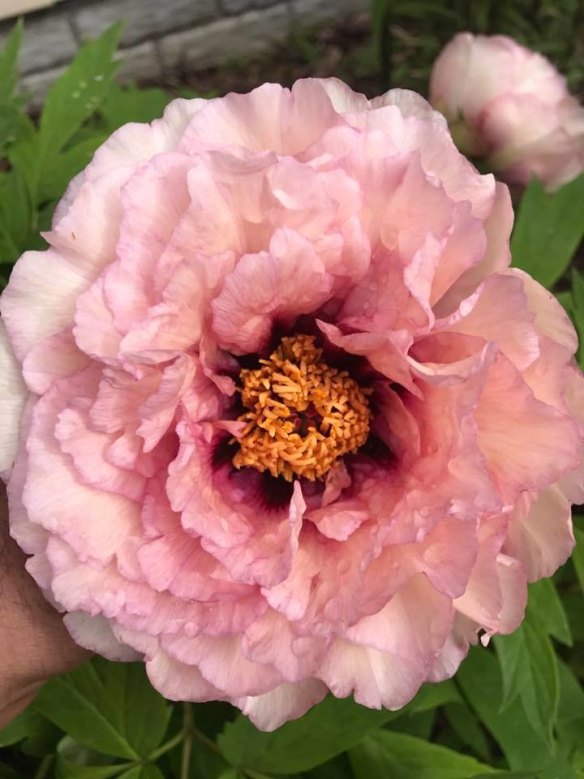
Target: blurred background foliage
x=515, y=709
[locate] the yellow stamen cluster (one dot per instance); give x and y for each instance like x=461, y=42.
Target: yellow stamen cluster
x=302, y=415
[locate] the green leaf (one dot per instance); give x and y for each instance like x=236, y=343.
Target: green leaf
x=467, y=728
x=17, y=730
x=67, y=164
x=9, y=63
x=325, y=731
x=529, y=668
x=7, y=772
x=79, y=91
x=396, y=754
x=548, y=230
x=147, y=771
x=570, y=709
x=578, y=556
x=130, y=104
x=578, y=310
x=546, y=608
x=431, y=696
x=110, y=707
x=15, y=216
x=67, y=770
x=71, y=101
x=480, y=680
x=14, y=125
x=565, y=298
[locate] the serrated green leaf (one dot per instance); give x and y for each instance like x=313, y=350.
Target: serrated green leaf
x=480, y=680
x=382, y=753
x=529, y=671
x=541, y=697
x=73, y=98
x=546, y=608
x=515, y=665
x=9, y=63
x=548, y=230
x=325, y=731
x=15, y=216
x=110, y=707
x=14, y=125
x=67, y=164
x=79, y=92
x=130, y=104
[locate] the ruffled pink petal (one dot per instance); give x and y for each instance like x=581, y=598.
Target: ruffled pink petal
x=93, y=522
x=39, y=300
x=390, y=651
x=285, y=702
x=281, y=284
x=180, y=682
x=222, y=663
x=54, y=358
x=496, y=593
x=526, y=443
x=481, y=315
x=268, y=118
x=540, y=533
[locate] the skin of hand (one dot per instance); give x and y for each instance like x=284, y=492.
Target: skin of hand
x=35, y=644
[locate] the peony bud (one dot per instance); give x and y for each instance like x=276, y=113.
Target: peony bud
x=511, y=106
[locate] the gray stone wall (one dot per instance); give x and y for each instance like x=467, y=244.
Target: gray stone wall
x=163, y=36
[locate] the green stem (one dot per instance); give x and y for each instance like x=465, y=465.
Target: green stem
x=188, y=732
x=205, y=740
x=170, y=744
x=46, y=763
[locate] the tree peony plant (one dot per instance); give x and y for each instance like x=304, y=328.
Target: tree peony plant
x=510, y=105
x=278, y=417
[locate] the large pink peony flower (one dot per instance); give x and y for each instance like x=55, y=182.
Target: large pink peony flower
x=290, y=424
x=511, y=105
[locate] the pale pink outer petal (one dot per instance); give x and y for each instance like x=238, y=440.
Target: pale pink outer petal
x=540, y=533
x=180, y=682
x=95, y=633
x=389, y=655
x=13, y=395
x=286, y=702
x=40, y=298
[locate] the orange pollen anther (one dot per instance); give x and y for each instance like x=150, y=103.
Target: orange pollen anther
x=302, y=415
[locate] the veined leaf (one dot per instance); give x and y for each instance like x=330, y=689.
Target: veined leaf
x=548, y=230
x=545, y=606
x=110, y=707
x=79, y=91
x=387, y=754
x=9, y=63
